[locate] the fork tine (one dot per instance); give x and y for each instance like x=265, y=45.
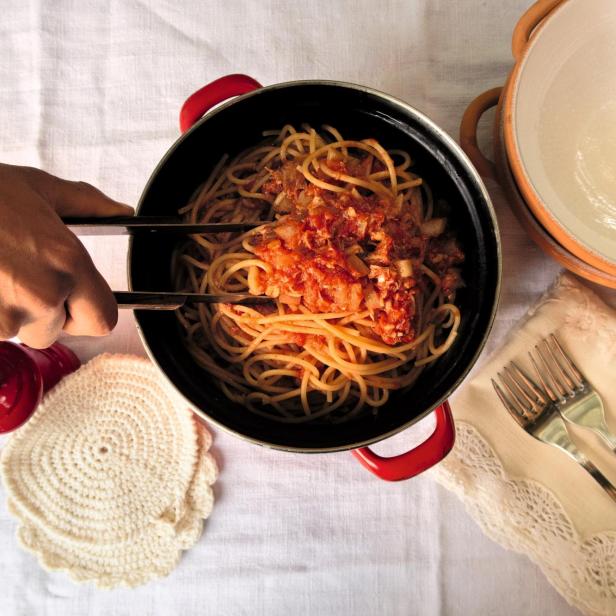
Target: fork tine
x=540, y=397
x=573, y=369
x=513, y=411
x=564, y=379
x=548, y=390
x=513, y=396
x=513, y=379
x=558, y=389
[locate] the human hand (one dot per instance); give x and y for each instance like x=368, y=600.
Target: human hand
x=48, y=282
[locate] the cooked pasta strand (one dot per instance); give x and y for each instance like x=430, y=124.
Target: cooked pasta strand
x=295, y=363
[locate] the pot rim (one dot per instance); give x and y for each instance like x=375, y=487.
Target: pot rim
x=456, y=151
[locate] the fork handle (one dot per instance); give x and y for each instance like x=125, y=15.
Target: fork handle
x=598, y=476
x=606, y=435
x=588, y=413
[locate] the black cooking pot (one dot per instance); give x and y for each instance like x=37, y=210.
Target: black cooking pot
x=358, y=113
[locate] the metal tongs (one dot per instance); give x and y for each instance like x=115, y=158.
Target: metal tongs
x=131, y=225
x=163, y=300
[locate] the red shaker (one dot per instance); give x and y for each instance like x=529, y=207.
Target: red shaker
x=25, y=375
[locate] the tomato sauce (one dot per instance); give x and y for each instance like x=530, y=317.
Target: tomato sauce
x=348, y=251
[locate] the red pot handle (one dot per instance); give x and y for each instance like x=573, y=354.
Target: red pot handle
x=213, y=93
x=411, y=463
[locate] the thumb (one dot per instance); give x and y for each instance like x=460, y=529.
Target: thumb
x=82, y=199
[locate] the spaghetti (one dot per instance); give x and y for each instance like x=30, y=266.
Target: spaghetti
x=362, y=274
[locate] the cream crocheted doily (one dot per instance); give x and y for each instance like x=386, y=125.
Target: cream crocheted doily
x=112, y=477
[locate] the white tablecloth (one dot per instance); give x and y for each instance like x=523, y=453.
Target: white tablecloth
x=91, y=90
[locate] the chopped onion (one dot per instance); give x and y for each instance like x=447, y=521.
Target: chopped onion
x=358, y=265
x=288, y=231
x=304, y=199
x=354, y=249
x=272, y=291
x=433, y=227
x=282, y=204
x=373, y=300
x=289, y=299
x=405, y=267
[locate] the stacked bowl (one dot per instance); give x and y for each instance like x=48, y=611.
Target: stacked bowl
x=555, y=133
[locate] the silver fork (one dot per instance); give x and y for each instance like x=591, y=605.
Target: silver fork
x=538, y=415
x=569, y=390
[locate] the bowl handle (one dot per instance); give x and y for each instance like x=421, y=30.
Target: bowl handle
x=213, y=93
x=415, y=461
x=468, y=131
x=528, y=22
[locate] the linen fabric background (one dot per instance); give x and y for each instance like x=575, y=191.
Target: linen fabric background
x=91, y=91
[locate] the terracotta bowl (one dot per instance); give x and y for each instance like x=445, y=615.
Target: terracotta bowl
x=559, y=124
x=500, y=171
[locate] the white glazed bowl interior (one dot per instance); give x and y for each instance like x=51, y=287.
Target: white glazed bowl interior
x=564, y=121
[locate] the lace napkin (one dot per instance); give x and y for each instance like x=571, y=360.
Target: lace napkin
x=526, y=495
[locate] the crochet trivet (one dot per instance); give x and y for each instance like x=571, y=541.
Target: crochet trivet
x=111, y=478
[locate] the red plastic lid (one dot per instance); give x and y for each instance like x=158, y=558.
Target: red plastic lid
x=21, y=386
